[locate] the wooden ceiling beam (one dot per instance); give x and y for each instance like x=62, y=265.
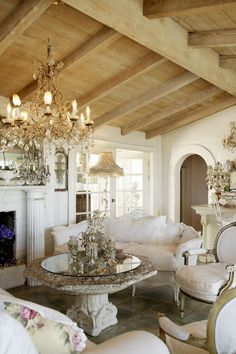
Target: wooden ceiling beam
x=165, y=37
x=163, y=114
x=186, y=118
x=149, y=96
x=211, y=39
x=105, y=37
x=17, y=22
x=228, y=61
x=171, y=8
x=146, y=63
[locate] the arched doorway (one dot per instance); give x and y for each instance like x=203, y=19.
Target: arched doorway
x=176, y=160
x=193, y=189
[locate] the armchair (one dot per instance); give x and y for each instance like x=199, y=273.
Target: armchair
x=217, y=335
x=205, y=282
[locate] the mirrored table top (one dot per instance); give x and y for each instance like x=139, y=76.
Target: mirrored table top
x=60, y=264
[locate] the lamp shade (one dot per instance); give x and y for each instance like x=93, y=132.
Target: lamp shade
x=106, y=166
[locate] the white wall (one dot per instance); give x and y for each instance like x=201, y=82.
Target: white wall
x=204, y=138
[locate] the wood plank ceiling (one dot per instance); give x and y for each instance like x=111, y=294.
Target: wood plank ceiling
x=126, y=84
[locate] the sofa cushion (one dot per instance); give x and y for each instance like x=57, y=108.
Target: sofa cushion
x=144, y=229
x=179, y=233
x=163, y=258
x=202, y=281
x=13, y=337
x=63, y=338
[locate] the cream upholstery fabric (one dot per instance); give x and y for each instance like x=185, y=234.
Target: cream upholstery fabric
x=14, y=339
x=225, y=332
x=198, y=329
x=135, y=342
x=202, y=281
x=226, y=246
x=162, y=257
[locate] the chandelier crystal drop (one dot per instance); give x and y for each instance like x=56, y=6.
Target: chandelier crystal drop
x=230, y=142
x=48, y=118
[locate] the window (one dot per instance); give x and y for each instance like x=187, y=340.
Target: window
x=123, y=194
x=90, y=192
x=130, y=188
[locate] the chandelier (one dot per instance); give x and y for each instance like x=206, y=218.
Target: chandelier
x=230, y=142
x=47, y=118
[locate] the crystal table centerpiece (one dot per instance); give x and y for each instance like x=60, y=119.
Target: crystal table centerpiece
x=98, y=253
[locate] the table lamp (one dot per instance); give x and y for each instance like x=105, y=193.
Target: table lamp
x=106, y=167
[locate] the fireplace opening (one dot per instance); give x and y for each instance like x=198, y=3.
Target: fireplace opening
x=7, y=238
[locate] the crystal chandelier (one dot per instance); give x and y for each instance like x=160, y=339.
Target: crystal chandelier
x=48, y=118
x=230, y=142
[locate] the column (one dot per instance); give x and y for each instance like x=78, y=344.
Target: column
x=35, y=224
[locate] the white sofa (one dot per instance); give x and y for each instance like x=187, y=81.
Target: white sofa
x=17, y=337
x=158, y=238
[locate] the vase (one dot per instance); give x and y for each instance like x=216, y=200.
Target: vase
x=7, y=175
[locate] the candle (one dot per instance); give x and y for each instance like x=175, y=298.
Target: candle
x=74, y=107
x=9, y=110
x=88, y=114
x=82, y=119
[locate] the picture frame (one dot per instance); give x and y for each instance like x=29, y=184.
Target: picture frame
x=232, y=180
x=61, y=171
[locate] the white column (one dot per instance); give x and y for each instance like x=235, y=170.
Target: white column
x=35, y=225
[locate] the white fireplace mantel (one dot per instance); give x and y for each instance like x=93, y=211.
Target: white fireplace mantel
x=24, y=188
x=29, y=204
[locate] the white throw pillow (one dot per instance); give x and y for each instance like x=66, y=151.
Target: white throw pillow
x=144, y=229
x=14, y=339
x=186, y=233
x=172, y=231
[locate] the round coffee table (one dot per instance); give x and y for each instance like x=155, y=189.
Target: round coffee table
x=92, y=310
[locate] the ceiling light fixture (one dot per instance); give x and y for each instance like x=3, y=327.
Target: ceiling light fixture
x=47, y=118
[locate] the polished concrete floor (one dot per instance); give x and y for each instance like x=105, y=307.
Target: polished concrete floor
x=134, y=313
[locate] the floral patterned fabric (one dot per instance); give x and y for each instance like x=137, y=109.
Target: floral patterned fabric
x=49, y=336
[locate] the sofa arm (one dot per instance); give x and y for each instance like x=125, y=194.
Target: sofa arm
x=135, y=342
x=196, y=243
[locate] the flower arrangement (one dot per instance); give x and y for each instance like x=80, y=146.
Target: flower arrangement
x=7, y=238
x=6, y=233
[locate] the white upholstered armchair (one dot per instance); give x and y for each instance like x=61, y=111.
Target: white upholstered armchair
x=205, y=282
x=217, y=335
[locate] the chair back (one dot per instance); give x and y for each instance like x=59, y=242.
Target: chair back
x=225, y=244
x=221, y=327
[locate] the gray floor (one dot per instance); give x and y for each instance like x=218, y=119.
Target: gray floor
x=139, y=312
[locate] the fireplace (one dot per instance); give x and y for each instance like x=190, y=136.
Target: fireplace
x=22, y=208
x=7, y=238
